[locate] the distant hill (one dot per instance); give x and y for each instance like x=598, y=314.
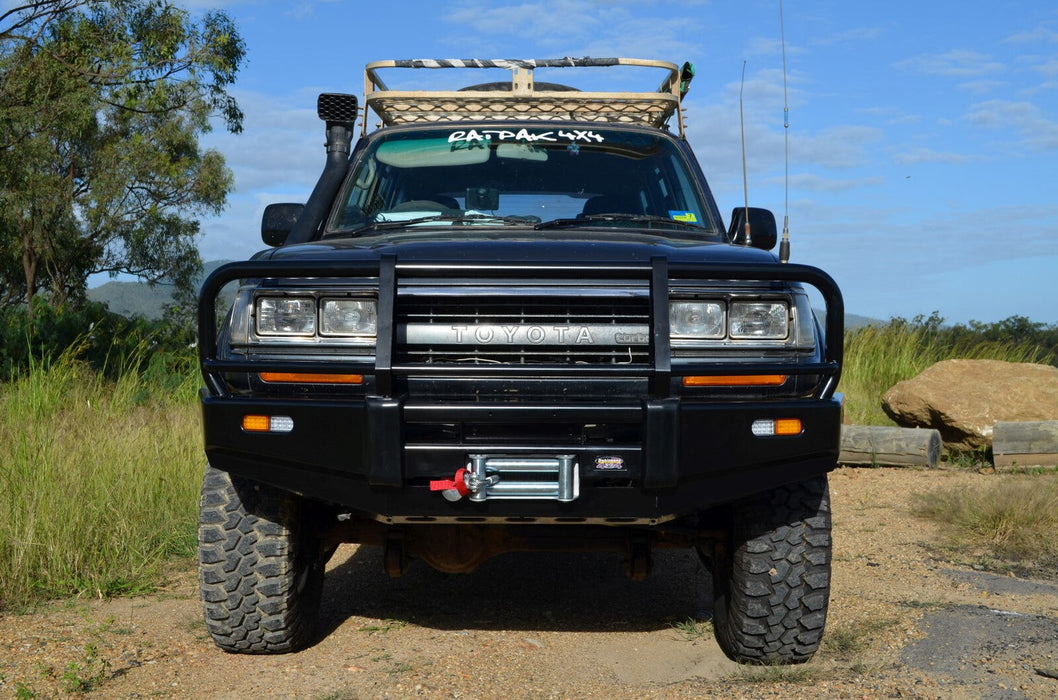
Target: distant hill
x=139, y=298
x=852, y=321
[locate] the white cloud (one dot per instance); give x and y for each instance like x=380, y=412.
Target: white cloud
x=817, y=183
x=576, y=28
x=1035, y=130
x=842, y=146
x=1040, y=33
x=957, y=63
x=1049, y=68
x=852, y=35
x=916, y=156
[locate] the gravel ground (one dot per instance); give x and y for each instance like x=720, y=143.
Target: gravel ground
x=904, y=622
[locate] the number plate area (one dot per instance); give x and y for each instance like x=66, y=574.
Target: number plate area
x=497, y=477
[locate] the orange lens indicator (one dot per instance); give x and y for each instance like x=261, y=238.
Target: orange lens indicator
x=267, y=424
x=736, y=380
x=307, y=378
x=771, y=427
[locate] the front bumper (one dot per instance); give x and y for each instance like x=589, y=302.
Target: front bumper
x=654, y=456
x=678, y=456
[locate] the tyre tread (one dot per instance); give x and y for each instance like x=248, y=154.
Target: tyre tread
x=773, y=593
x=250, y=566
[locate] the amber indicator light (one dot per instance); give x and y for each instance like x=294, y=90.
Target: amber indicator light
x=736, y=380
x=305, y=378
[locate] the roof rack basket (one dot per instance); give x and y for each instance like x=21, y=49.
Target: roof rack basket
x=522, y=99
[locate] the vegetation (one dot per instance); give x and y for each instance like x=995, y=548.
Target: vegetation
x=105, y=341
x=878, y=356
x=101, y=106
x=98, y=476
x=1010, y=524
x=1007, y=525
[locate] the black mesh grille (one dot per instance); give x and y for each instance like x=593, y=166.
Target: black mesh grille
x=334, y=107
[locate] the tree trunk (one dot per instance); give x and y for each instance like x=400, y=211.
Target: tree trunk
x=29, y=268
x=1025, y=444
x=889, y=446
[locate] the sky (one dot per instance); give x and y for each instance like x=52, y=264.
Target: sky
x=918, y=164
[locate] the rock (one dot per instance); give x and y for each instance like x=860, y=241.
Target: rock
x=963, y=399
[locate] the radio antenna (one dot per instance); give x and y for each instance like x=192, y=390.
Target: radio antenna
x=784, y=244
x=745, y=184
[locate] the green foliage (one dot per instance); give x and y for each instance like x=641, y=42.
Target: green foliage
x=105, y=341
x=101, y=107
x=98, y=479
x=879, y=356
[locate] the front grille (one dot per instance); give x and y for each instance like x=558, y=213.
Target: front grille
x=513, y=329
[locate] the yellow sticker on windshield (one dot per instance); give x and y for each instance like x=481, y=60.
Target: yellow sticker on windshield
x=687, y=217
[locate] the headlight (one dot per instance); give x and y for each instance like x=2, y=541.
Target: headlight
x=294, y=316
x=349, y=317
x=763, y=320
x=696, y=319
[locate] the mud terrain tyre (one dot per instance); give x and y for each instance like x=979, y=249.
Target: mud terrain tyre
x=773, y=588
x=260, y=565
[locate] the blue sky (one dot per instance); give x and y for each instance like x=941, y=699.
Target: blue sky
x=923, y=136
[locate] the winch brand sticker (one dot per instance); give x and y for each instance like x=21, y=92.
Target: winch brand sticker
x=609, y=464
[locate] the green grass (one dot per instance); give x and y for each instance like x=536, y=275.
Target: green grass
x=692, y=630
x=1007, y=525
x=98, y=480
x=879, y=356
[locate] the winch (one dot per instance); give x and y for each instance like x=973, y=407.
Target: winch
x=492, y=477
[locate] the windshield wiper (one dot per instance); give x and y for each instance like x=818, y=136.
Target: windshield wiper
x=455, y=219
x=589, y=219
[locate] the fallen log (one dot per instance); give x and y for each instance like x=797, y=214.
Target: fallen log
x=1025, y=444
x=889, y=446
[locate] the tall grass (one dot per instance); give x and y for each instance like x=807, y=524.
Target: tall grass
x=98, y=478
x=879, y=356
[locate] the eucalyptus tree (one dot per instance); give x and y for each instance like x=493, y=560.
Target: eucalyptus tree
x=102, y=105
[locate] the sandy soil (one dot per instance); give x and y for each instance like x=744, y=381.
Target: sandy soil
x=904, y=622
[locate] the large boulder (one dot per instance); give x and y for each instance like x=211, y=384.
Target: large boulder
x=963, y=399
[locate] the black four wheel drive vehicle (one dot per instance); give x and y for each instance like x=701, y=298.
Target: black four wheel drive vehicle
x=510, y=318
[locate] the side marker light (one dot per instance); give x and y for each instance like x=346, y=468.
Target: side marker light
x=779, y=426
x=267, y=424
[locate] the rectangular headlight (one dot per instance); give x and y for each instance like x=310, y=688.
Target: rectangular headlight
x=696, y=319
x=293, y=316
x=349, y=317
x=762, y=320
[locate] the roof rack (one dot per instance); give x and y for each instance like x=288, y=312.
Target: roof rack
x=523, y=99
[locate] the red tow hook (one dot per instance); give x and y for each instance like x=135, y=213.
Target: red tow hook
x=452, y=489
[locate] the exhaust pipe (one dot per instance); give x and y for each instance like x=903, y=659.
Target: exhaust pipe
x=339, y=112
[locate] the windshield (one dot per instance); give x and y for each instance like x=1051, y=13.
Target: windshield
x=527, y=177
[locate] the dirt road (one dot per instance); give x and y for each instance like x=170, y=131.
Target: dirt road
x=904, y=622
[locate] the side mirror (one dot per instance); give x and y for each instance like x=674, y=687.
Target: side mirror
x=278, y=221
x=762, y=230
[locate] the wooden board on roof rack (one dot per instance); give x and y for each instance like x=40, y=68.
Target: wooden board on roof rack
x=523, y=99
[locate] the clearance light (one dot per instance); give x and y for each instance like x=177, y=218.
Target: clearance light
x=736, y=380
x=306, y=378
x=778, y=426
x=267, y=424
